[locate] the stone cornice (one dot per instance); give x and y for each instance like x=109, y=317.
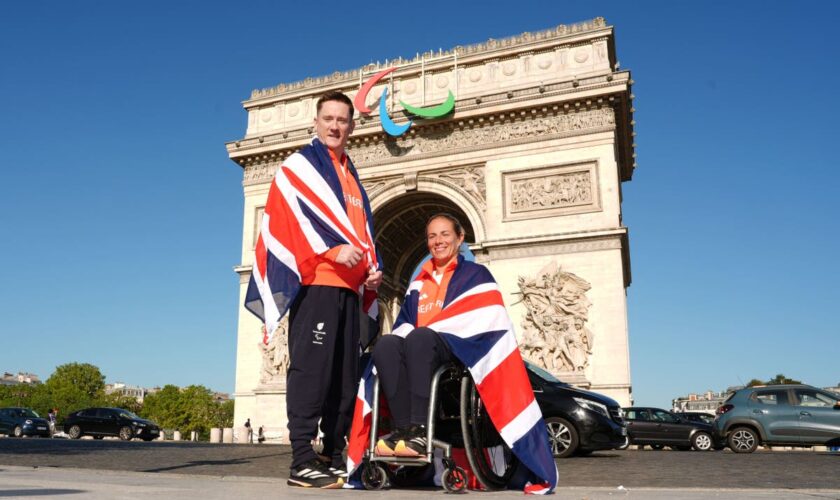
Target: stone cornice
x=484, y=50
x=501, y=129
x=284, y=143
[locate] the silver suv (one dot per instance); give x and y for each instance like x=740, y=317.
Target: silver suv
x=779, y=415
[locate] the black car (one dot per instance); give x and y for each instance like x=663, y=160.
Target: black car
x=579, y=422
x=19, y=422
x=691, y=416
x=101, y=422
x=658, y=428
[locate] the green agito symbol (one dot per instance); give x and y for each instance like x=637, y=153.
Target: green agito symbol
x=388, y=124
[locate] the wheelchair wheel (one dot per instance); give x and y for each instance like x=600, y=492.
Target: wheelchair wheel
x=454, y=480
x=373, y=476
x=491, y=460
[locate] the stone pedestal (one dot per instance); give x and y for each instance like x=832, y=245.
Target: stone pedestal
x=227, y=435
x=215, y=435
x=176, y=436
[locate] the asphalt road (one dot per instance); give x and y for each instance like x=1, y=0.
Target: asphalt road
x=630, y=469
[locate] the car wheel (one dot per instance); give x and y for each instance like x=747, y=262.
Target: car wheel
x=18, y=431
x=75, y=432
x=562, y=436
x=657, y=446
x=743, y=440
x=701, y=441
x=126, y=433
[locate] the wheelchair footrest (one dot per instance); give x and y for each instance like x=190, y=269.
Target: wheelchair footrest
x=418, y=461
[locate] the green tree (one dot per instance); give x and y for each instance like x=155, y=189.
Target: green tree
x=781, y=379
x=74, y=386
x=754, y=382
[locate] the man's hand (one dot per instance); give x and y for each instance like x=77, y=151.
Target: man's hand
x=373, y=280
x=348, y=256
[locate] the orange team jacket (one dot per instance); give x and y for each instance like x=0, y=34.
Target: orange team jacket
x=322, y=269
x=432, y=293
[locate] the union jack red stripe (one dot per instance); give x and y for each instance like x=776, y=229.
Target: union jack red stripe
x=305, y=215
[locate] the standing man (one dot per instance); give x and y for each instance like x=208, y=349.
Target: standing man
x=315, y=257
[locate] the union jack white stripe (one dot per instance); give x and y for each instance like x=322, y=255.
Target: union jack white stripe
x=478, y=330
x=305, y=215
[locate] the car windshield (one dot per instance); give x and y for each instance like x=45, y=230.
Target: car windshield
x=128, y=414
x=26, y=412
x=543, y=374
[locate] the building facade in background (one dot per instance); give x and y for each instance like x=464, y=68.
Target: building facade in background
x=532, y=160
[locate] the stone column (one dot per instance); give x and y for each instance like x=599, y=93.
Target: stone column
x=215, y=435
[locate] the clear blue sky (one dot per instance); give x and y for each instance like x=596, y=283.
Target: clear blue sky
x=120, y=214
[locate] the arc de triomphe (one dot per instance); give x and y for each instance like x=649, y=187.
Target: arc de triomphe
x=532, y=160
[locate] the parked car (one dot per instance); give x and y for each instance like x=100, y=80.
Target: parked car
x=659, y=428
x=691, y=416
x=19, y=422
x=578, y=421
x=779, y=415
x=101, y=422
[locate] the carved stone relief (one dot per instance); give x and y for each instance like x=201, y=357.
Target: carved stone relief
x=554, y=333
x=275, y=355
x=427, y=142
x=471, y=179
x=549, y=191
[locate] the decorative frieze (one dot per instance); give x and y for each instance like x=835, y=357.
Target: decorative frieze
x=550, y=191
x=554, y=333
x=448, y=137
x=259, y=172
x=471, y=180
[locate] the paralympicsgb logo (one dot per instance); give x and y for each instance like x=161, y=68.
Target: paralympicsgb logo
x=388, y=125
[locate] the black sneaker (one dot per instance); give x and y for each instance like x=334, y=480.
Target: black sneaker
x=339, y=470
x=314, y=474
x=413, y=442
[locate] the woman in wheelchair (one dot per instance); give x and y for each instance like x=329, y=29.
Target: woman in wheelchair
x=453, y=310
x=406, y=363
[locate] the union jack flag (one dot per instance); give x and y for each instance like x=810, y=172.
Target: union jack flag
x=305, y=215
x=479, y=332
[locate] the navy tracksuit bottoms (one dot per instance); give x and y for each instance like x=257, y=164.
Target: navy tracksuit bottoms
x=405, y=367
x=323, y=375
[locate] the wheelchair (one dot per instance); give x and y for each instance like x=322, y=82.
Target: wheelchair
x=457, y=418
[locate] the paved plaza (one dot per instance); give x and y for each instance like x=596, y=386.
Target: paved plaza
x=41, y=468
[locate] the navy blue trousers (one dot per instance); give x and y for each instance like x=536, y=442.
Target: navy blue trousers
x=405, y=367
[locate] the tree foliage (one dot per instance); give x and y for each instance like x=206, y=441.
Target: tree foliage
x=75, y=386
x=777, y=380
x=189, y=409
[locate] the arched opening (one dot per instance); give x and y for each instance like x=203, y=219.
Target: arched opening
x=399, y=226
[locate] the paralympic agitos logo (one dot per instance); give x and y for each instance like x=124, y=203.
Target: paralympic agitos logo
x=388, y=124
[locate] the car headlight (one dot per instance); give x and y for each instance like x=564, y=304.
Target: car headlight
x=28, y=422
x=593, y=406
x=139, y=424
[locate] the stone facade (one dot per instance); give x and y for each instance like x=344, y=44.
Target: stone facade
x=532, y=161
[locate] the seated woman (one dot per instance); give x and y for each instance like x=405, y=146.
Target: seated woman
x=406, y=380
x=453, y=310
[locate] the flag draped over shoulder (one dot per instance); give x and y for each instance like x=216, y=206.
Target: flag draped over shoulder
x=480, y=334
x=305, y=215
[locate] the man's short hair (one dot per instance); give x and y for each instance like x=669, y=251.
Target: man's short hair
x=334, y=96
